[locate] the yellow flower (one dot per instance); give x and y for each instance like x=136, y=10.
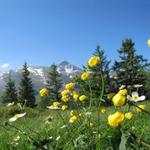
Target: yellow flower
x=85, y=76
x=70, y=86
x=56, y=104
x=110, y=95
x=75, y=95
x=43, y=92
x=72, y=112
x=80, y=114
x=17, y=116
x=123, y=92
x=118, y=99
x=82, y=98
x=129, y=115
x=115, y=119
x=103, y=110
x=64, y=107
x=65, y=93
x=148, y=42
x=65, y=98
x=73, y=119
x=140, y=110
x=91, y=125
x=94, y=61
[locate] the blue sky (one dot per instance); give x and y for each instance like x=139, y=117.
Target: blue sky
x=46, y=31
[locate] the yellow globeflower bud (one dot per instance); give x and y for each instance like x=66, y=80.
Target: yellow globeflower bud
x=115, y=119
x=73, y=112
x=140, y=110
x=118, y=100
x=73, y=119
x=91, y=125
x=148, y=42
x=94, y=61
x=129, y=115
x=43, y=92
x=70, y=86
x=82, y=98
x=123, y=92
x=56, y=104
x=85, y=76
x=64, y=107
x=103, y=110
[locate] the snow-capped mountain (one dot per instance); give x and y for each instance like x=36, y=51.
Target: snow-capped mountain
x=39, y=74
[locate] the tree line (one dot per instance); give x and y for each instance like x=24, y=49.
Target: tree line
x=129, y=70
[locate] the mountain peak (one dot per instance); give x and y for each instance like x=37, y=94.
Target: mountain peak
x=63, y=63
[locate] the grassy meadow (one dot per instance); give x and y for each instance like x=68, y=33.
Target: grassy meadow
x=44, y=129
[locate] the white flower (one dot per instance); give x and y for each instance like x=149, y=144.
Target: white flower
x=15, y=117
x=64, y=126
x=137, y=85
x=122, y=87
x=53, y=107
x=10, y=104
x=58, y=138
x=88, y=113
x=135, y=97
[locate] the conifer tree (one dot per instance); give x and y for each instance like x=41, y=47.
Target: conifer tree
x=10, y=94
x=26, y=91
x=54, y=83
x=131, y=67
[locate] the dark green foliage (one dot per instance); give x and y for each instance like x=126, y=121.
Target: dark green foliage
x=94, y=84
x=10, y=94
x=26, y=91
x=54, y=83
x=131, y=67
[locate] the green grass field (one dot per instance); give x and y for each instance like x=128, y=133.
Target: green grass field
x=42, y=128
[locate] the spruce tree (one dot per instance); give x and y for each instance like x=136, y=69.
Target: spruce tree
x=26, y=91
x=10, y=94
x=131, y=67
x=54, y=83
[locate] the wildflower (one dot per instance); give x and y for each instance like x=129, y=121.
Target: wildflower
x=57, y=139
x=142, y=108
x=64, y=107
x=65, y=99
x=17, y=138
x=115, y=119
x=43, y=92
x=135, y=97
x=91, y=125
x=129, y=115
x=123, y=92
x=118, y=100
x=64, y=126
x=110, y=95
x=137, y=85
x=54, y=106
x=148, y=42
x=10, y=104
x=73, y=119
x=72, y=112
x=88, y=113
x=70, y=86
x=17, y=116
x=65, y=93
x=82, y=98
x=122, y=87
x=80, y=114
x=103, y=110
x=94, y=61
x=85, y=76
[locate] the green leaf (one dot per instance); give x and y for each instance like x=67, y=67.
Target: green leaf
x=123, y=142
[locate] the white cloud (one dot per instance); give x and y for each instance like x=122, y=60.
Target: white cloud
x=5, y=66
